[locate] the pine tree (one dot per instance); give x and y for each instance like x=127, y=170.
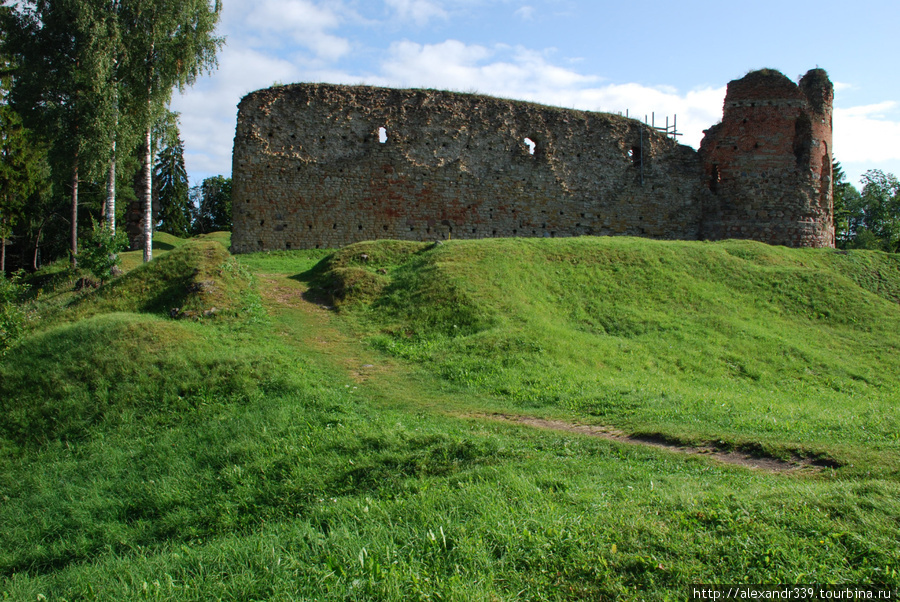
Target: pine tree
x=62, y=70
x=22, y=163
x=170, y=180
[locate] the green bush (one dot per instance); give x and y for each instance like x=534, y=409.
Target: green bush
x=12, y=316
x=100, y=251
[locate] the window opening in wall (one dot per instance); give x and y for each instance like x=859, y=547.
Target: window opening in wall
x=635, y=154
x=531, y=144
x=714, y=179
x=382, y=135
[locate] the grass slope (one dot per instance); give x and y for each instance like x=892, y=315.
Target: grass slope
x=796, y=351
x=301, y=454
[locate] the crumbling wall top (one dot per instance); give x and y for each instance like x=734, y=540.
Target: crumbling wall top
x=765, y=84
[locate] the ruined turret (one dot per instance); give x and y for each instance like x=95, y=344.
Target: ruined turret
x=768, y=163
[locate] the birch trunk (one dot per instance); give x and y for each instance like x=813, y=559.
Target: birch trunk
x=109, y=209
x=148, y=195
x=74, y=241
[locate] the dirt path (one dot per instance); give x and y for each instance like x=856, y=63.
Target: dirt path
x=741, y=458
x=314, y=328
x=286, y=294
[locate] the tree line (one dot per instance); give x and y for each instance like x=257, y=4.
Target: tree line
x=868, y=218
x=84, y=92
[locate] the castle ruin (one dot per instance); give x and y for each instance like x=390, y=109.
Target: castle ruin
x=321, y=166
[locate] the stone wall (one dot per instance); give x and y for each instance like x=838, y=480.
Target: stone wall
x=321, y=166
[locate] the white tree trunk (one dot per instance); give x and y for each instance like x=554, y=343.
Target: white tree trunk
x=110, y=207
x=148, y=196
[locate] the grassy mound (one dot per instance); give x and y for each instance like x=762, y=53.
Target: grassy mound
x=196, y=279
x=89, y=376
x=737, y=342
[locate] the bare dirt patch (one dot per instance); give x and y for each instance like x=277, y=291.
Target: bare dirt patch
x=754, y=460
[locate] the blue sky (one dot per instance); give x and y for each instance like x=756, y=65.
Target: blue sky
x=654, y=56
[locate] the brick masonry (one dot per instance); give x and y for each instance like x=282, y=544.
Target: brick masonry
x=321, y=166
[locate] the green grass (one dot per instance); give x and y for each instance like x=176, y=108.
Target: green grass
x=734, y=342
x=279, y=451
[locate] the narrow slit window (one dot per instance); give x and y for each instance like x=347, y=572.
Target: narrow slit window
x=382, y=135
x=531, y=144
x=714, y=178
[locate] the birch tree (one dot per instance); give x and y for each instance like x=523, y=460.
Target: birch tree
x=168, y=43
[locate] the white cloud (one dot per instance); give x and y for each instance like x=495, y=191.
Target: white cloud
x=526, y=13
x=864, y=138
x=866, y=133
x=527, y=75
x=299, y=22
x=501, y=70
x=419, y=11
x=841, y=86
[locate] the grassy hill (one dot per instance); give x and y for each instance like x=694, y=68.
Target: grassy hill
x=591, y=418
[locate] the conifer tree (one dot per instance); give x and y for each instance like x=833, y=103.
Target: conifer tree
x=62, y=70
x=170, y=180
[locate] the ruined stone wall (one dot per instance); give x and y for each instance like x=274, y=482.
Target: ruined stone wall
x=321, y=166
x=768, y=163
x=311, y=170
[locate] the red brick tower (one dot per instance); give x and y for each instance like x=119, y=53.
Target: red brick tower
x=768, y=163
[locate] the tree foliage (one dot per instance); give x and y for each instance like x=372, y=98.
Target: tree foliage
x=213, y=199
x=845, y=196
x=23, y=170
x=62, y=71
x=100, y=250
x=170, y=43
x=90, y=77
x=873, y=215
x=170, y=180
